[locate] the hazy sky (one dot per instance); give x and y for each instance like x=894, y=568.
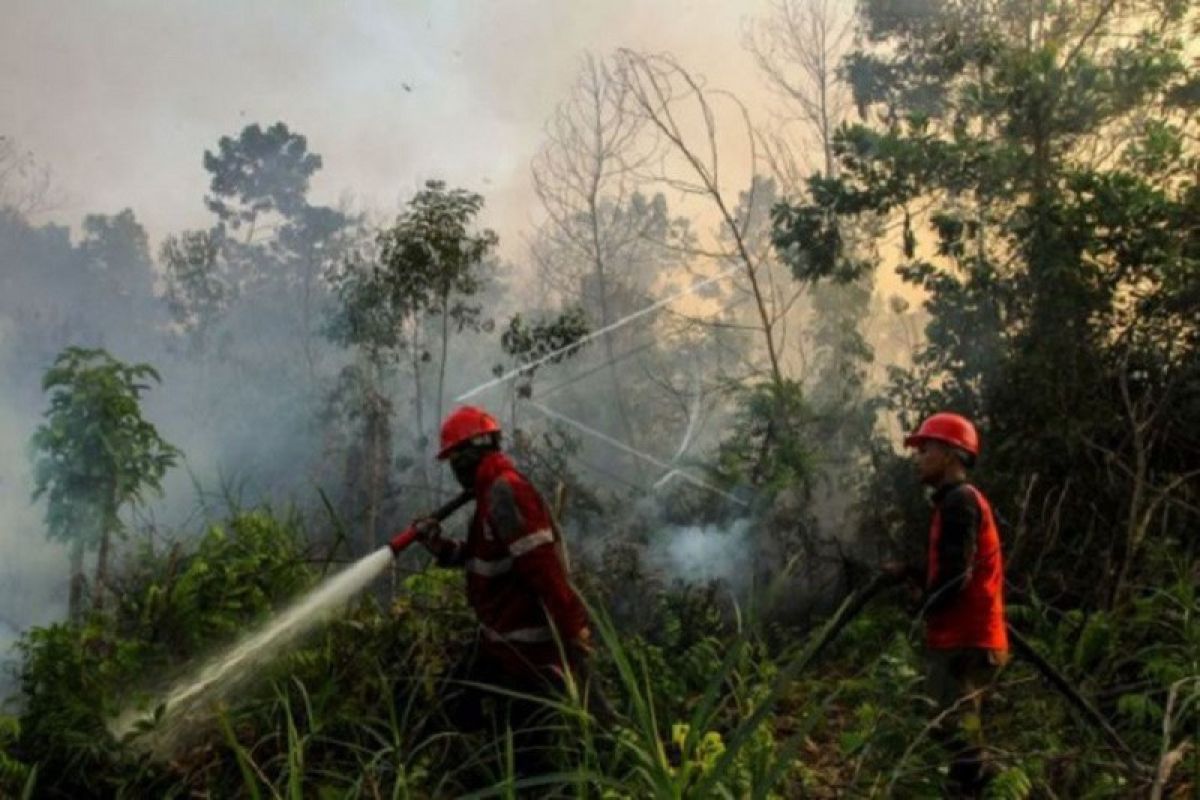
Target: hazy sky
x=121, y=99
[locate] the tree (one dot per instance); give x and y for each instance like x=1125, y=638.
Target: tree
x=116, y=252
x=269, y=248
x=435, y=262
x=24, y=184
x=530, y=345
x=261, y=172
x=424, y=269
x=799, y=46
x=668, y=97
x=584, y=179
x=199, y=288
x=95, y=455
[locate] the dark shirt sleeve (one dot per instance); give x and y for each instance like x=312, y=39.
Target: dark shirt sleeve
x=537, y=561
x=956, y=548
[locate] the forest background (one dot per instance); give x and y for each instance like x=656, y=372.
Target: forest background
x=990, y=207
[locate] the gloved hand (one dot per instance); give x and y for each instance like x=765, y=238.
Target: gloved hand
x=427, y=528
x=429, y=533
x=912, y=578
x=581, y=646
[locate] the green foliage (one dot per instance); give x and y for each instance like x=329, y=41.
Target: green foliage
x=428, y=262
x=238, y=571
x=526, y=343
x=703, y=706
x=259, y=172
x=768, y=446
x=1011, y=784
x=95, y=452
x=432, y=254
x=1058, y=191
x=170, y=608
x=15, y=774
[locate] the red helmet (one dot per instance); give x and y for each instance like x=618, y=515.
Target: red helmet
x=463, y=425
x=952, y=429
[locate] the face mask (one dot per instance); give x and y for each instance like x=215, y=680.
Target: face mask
x=465, y=466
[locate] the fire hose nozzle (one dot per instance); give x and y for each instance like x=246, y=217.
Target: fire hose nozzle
x=403, y=539
x=413, y=532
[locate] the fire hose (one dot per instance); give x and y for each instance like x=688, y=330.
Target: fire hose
x=860, y=598
x=414, y=531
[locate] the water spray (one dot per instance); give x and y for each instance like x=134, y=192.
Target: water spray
x=628, y=318
x=219, y=677
x=636, y=453
x=693, y=416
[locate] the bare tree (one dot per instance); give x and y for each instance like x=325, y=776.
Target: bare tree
x=684, y=113
x=24, y=183
x=798, y=47
x=1150, y=491
x=584, y=179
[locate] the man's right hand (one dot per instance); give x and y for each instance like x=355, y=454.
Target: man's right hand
x=427, y=528
x=429, y=533
x=907, y=574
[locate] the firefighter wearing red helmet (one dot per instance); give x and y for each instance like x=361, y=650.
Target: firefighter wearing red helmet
x=966, y=639
x=517, y=581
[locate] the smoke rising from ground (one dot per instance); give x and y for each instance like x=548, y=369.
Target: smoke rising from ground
x=704, y=553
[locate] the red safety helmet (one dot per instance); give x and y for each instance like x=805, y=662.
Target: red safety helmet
x=953, y=429
x=463, y=425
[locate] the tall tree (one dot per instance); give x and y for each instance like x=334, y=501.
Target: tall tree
x=669, y=97
x=199, y=288
x=422, y=272
x=798, y=46
x=436, y=259
x=584, y=178
x=258, y=174
x=269, y=248
x=25, y=186
x=116, y=253
x=95, y=455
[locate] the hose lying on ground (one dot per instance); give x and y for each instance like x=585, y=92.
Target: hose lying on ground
x=865, y=594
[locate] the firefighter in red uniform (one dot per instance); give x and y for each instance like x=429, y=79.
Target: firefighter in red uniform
x=966, y=640
x=529, y=614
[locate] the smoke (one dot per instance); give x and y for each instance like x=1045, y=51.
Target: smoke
x=704, y=553
x=33, y=571
x=250, y=413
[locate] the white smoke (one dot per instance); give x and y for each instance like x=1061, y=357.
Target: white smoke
x=702, y=553
x=33, y=572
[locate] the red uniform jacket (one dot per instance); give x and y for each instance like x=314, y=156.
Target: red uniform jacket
x=965, y=576
x=516, y=580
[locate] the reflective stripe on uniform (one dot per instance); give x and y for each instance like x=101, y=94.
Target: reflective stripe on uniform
x=519, y=547
x=524, y=635
x=489, y=569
